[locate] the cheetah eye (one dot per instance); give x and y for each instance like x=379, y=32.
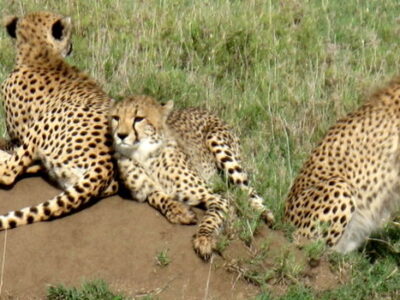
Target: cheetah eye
x=138, y=119
x=115, y=118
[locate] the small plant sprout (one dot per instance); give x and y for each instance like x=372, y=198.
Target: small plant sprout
x=162, y=258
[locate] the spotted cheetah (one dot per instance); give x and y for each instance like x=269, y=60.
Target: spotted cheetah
x=170, y=175
x=350, y=185
x=211, y=146
x=55, y=116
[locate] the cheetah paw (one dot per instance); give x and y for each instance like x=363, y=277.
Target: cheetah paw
x=181, y=214
x=204, y=246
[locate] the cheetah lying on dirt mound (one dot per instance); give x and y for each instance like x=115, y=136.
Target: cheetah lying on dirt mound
x=55, y=115
x=166, y=158
x=350, y=185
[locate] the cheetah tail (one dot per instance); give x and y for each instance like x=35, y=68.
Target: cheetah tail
x=62, y=204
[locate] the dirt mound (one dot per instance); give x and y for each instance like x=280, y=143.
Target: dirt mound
x=118, y=240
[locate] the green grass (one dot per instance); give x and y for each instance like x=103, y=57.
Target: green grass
x=162, y=258
x=93, y=290
x=280, y=72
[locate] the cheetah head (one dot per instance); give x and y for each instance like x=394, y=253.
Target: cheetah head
x=39, y=29
x=138, y=125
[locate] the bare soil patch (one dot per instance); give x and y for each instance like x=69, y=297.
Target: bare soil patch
x=117, y=240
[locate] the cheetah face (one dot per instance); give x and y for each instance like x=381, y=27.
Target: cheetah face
x=41, y=28
x=138, y=126
x=134, y=134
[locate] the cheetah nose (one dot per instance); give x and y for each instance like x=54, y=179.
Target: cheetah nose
x=122, y=136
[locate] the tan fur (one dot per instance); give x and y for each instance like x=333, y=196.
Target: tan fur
x=156, y=150
x=349, y=187
x=56, y=116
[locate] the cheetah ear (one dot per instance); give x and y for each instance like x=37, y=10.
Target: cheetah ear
x=11, y=25
x=167, y=107
x=58, y=28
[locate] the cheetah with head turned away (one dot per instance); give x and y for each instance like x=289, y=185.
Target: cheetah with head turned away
x=55, y=115
x=166, y=157
x=350, y=186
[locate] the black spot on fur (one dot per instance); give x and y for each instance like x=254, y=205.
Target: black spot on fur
x=60, y=203
x=12, y=224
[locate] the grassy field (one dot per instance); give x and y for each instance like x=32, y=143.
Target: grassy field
x=280, y=72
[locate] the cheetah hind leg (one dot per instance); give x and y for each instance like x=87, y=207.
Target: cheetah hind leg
x=228, y=160
x=112, y=189
x=6, y=150
x=36, y=168
x=16, y=163
x=328, y=212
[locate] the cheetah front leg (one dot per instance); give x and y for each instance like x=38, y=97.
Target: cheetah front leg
x=143, y=188
x=217, y=208
x=204, y=241
x=227, y=159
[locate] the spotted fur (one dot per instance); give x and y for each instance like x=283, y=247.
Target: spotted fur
x=350, y=185
x=55, y=115
x=169, y=167
x=212, y=146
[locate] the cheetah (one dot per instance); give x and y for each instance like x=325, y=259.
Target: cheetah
x=159, y=164
x=56, y=118
x=350, y=186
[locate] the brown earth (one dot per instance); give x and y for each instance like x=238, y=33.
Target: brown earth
x=117, y=240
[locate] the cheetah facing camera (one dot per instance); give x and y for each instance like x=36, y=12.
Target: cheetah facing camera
x=155, y=162
x=55, y=115
x=350, y=185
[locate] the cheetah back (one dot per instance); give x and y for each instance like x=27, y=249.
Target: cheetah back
x=350, y=184
x=58, y=116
